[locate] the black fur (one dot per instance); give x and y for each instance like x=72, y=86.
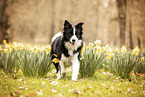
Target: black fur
x=58, y=45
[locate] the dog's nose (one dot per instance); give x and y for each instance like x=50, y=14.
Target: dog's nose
x=73, y=40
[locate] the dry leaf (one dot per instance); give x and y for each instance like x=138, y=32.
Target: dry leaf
x=104, y=85
x=133, y=92
x=70, y=90
x=78, y=92
x=39, y=93
x=13, y=94
x=21, y=87
x=19, y=92
x=128, y=90
x=43, y=82
x=112, y=87
x=53, y=90
x=54, y=83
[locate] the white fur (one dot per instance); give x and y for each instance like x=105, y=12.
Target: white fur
x=77, y=44
x=67, y=61
x=56, y=35
x=75, y=67
x=74, y=36
x=58, y=75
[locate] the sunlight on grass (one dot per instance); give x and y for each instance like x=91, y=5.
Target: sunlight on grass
x=26, y=70
x=103, y=84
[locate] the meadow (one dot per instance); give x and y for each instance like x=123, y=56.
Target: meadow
x=26, y=70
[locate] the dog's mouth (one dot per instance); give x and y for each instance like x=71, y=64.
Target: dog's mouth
x=72, y=43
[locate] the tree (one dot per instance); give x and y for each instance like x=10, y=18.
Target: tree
x=132, y=21
x=121, y=5
x=3, y=21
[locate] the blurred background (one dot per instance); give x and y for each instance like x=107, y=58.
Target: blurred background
x=114, y=22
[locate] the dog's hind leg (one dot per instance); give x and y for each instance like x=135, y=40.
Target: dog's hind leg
x=57, y=70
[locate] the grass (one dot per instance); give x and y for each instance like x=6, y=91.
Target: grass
x=101, y=85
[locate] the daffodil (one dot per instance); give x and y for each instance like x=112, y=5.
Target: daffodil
x=110, y=53
x=135, y=51
x=98, y=47
x=55, y=60
x=116, y=49
x=142, y=59
x=48, y=48
x=15, y=45
x=4, y=41
x=5, y=50
x=123, y=49
x=21, y=46
x=107, y=46
x=97, y=42
x=91, y=45
x=83, y=48
x=103, y=49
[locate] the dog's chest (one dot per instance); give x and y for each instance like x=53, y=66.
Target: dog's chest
x=71, y=58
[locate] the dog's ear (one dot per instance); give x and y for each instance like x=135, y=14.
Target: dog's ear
x=79, y=25
x=67, y=24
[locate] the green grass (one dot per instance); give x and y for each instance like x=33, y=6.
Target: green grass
x=101, y=85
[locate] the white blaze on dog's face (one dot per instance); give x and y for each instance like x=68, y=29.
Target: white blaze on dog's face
x=72, y=35
x=74, y=39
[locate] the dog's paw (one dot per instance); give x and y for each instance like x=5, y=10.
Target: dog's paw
x=58, y=76
x=74, y=79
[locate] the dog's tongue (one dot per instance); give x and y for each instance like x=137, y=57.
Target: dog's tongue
x=73, y=44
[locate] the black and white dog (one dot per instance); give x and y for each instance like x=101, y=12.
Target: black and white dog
x=66, y=47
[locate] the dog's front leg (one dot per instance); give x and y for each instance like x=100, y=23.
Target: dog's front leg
x=75, y=68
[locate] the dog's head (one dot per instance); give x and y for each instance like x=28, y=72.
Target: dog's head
x=72, y=34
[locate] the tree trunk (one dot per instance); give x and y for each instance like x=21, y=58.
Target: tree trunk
x=135, y=21
x=128, y=32
x=121, y=4
x=3, y=21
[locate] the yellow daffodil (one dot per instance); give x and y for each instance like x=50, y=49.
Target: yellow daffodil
x=107, y=46
x=123, y=49
x=142, y=59
x=116, y=49
x=83, y=48
x=15, y=45
x=84, y=44
x=5, y=50
x=27, y=47
x=98, y=47
x=135, y=51
x=4, y=41
x=110, y=55
x=103, y=49
x=48, y=48
x=97, y=42
x=91, y=45
x=55, y=60
x=35, y=49
x=21, y=46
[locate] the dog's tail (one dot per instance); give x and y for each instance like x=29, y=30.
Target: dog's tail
x=56, y=35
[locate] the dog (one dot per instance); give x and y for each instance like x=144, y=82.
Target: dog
x=66, y=48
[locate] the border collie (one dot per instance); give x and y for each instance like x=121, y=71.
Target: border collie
x=66, y=47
